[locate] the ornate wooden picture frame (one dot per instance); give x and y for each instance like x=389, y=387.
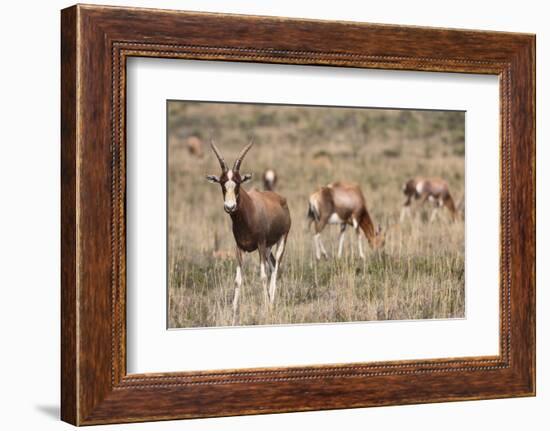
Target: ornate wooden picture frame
x=96, y=42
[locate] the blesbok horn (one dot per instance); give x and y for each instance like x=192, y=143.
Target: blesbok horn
x=239, y=160
x=218, y=155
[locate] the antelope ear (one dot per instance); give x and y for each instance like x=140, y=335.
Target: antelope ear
x=245, y=178
x=213, y=178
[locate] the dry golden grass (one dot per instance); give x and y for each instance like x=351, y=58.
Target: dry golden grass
x=419, y=274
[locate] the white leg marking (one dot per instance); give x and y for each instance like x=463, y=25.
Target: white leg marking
x=263, y=277
x=238, y=276
x=358, y=233
x=316, y=239
x=360, y=245
x=319, y=247
x=323, y=250
x=270, y=265
x=341, y=240
x=273, y=282
x=236, y=294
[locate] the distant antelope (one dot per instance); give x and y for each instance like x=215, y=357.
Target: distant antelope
x=195, y=146
x=434, y=189
x=270, y=179
x=260, y=220
x=344, y=204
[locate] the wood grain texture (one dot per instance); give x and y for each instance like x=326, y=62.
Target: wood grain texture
x=69, y=365
x=96, y=41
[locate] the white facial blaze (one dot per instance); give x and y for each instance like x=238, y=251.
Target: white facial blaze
x=230, y=199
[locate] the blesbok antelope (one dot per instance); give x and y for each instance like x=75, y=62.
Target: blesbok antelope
x=195, y=146
x=260, y=219
x=344, y=204
x=270, y=179
x=435, y=190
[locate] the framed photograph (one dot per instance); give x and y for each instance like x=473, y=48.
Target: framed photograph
x=264, y=214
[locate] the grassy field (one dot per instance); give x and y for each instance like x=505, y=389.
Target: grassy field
x=419, y=274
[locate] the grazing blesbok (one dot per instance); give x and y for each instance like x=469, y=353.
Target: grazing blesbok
x=261, y=220
x=270, y=179
x=435, y=190
x=342, y=203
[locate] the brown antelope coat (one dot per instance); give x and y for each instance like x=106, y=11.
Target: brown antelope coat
x=342, y=203
x=432, y=189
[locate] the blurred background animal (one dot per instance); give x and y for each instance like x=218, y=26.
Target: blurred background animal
x=192, y=143
x=434, y=190
x=270, y=179
x=344, y=204
x=195, y=146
